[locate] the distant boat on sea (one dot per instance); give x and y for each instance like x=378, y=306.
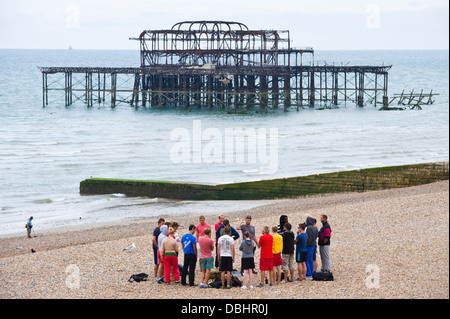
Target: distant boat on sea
x=70, y=48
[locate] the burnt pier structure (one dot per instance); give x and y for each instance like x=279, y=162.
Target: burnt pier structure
x=218, y=64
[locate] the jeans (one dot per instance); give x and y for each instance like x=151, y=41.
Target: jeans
x=189, y=262
x=309, y=260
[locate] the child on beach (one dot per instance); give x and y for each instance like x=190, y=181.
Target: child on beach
x=288, y=256
x=300, y=241
x=169, y=249
x=266, y=257
x=226, y=256
x=277, y=248
x=28, y=226
x=207, y=260
x=248, y=263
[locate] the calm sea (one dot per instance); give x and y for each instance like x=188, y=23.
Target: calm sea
x=46, y=152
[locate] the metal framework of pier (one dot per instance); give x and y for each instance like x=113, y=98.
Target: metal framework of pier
x=217, y=64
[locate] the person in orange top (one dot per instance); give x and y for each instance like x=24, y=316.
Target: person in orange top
x=266, y=256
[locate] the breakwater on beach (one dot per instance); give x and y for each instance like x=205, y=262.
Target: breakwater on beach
x=347, y=181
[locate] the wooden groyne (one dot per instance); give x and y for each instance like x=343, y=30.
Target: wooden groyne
x=348, y=181
x=218, y=64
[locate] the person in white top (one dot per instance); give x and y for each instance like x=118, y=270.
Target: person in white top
x=225, y=250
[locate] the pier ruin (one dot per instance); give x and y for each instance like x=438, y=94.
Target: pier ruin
x=219, y=64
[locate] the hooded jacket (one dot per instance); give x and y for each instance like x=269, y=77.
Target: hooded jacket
x=247, y=246
x=161, y=236
x=280, y=228
x=312, y=232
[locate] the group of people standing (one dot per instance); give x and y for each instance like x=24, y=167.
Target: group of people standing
x=280, y=251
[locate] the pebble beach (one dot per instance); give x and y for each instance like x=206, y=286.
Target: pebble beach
x=390, y=244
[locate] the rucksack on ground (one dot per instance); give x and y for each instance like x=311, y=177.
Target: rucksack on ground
x=138, y=278
x=323, y=276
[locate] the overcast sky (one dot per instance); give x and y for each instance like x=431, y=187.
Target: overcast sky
x=322, y=24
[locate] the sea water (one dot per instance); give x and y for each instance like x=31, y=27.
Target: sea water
x=46, y=152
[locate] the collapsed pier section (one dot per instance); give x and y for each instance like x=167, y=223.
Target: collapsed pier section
x=217, y=64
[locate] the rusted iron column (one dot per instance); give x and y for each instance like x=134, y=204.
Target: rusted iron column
x=275, y=92
x=113, y=89
x=312, y=89
x=287, y=92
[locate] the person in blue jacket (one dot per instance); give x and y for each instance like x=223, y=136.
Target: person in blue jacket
x=220, y=230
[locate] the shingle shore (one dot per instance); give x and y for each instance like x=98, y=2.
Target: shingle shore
x=399, y=236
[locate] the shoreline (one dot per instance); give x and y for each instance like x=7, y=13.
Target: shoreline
x=399, y=230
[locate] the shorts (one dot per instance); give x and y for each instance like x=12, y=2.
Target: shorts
x=155, y=256
x=248, y=263
x=277, y=260
x=207, y=263
x=288, y=262
x=314, y=254
x=301, y=257
x=226, y=264
x=266, y=264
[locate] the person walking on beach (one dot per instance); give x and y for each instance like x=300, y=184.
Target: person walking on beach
x=301, y=254
x=28, y=226
x=169, y=250
x=216, y=227
x=200, y=232
x=277, y=248
x=324, y=243
x=163, y=234
x=288, y=256
x=226, y=256
x=189, y=245
x=207, y=260
x=248, y=261
x=247, y=227
x=312, y=233
x=266, y=257
x=156, y=233
x=283, y=220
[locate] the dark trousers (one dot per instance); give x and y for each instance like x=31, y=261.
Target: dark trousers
x=216, y=262
x=189, y=263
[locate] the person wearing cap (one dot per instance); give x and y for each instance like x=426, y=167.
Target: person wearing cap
x=28, y=226
x=189, y=244
x=247, y=227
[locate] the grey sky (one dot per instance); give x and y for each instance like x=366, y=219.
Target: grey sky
x=322, y=24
